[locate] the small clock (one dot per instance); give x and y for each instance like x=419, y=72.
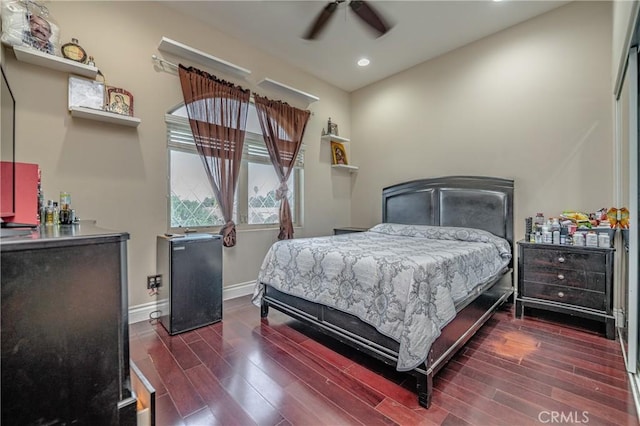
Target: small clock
x=74, y=51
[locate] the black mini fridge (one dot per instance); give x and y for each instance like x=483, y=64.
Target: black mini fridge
x=191, y=269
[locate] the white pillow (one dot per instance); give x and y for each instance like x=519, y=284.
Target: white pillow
x=29, y=26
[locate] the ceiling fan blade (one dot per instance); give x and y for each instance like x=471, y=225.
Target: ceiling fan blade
x=370, y=16
x=321, y=21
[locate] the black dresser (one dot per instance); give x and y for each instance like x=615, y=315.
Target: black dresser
x=348, y=230
x=64, y=330
x=567, y=279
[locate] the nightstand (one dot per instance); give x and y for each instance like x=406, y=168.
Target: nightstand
x=571, y=280
x=348, y=230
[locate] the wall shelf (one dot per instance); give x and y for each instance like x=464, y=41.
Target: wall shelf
x=334, y=138
x=275, y=86
x=104, y=116
x=350, y=168
x=35, y=57
x=176, y=48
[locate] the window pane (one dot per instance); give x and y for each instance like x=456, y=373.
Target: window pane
x=192, y=200
x=263, y=183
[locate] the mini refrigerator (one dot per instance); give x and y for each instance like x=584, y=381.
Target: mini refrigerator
x=191, y=269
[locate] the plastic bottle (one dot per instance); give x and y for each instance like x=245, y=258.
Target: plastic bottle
x=49, y=213
x=56, y=213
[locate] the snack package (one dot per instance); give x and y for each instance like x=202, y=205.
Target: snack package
x=27, y=23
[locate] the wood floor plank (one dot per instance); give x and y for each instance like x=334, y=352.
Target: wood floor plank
x=594, y=408
x=223, y=406
x=151, y=374
x=246, y=370
x=166, y=412
x=327, y=371
x=403, y=415
x=484, y=402
x=252, y=402
x=201, y=418
x=182, y=393
x=358, y=399
x=178, y=348
x=559, y=379
x=211, y=359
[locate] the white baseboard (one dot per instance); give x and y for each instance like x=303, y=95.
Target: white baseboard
x=618, y=314
x=142, y=312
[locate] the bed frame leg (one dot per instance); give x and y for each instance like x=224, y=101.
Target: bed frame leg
x=264, y=309
x=425, y=389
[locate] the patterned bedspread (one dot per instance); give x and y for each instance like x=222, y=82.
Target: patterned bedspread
x=402, y=279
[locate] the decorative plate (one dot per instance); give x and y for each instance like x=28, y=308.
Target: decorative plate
x=74, y=51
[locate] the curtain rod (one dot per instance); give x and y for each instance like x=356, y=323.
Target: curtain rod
x=163, y=61
x=172, y=65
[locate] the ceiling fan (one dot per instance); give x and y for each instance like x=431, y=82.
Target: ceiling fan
x=362, y=9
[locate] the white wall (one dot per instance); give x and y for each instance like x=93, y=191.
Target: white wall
x=531, y=103
x=118, y=175
x=624, y=14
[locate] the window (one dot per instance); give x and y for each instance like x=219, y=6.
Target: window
x=191, y=200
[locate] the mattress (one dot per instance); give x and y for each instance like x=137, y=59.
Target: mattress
x=404, y=280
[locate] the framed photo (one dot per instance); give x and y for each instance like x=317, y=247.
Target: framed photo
x=85, y=93
x=119, y=101
x=338, y=153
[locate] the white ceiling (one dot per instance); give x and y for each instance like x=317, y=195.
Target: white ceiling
x=421, y=30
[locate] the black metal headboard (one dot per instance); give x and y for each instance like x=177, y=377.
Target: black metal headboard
x=468, y=201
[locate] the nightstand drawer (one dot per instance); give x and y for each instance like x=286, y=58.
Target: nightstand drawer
x=546, y=258
x=572, y=280
x=562, y=294
x=566, y=277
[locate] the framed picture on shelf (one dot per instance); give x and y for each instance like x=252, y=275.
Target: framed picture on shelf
x=85, y=93
x=338, y=153
x=119, y=101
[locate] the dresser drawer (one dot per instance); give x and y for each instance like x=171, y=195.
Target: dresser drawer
x=581, y=261
x=566, y=277
x=563, y=294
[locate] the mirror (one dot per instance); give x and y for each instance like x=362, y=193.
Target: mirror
x=7, y=149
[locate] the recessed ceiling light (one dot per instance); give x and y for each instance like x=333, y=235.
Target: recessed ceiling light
x=363, y=62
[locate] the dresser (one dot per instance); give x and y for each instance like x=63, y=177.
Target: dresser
x=348, y=230
x=64, y=327
x=569, y=280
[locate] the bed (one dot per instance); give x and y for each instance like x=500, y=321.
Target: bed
x=401, y=320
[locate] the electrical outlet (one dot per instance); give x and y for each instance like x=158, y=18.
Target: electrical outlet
x=151, y=282
x=154, y=281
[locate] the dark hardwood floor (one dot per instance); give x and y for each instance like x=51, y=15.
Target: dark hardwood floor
x=244, y=371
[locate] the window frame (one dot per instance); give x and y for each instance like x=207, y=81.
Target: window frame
x=241, y=212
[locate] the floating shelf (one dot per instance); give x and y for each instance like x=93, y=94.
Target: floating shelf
x=345, y=167
x=35, y=57
x=105, y=116
x=176, y=48
x=334, y=138
x=269, y=84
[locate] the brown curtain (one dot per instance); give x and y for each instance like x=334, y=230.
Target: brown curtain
x=217, y=113
x=282, y=128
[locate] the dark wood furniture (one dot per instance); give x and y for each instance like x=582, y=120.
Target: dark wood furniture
x=347, y=230
x=64, y=329
x=567, y=279
x=467, y=201
x=191, y=270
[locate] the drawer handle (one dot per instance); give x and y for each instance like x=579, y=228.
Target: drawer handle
x=561, y=259
x=560, y=277
x=560, y=294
